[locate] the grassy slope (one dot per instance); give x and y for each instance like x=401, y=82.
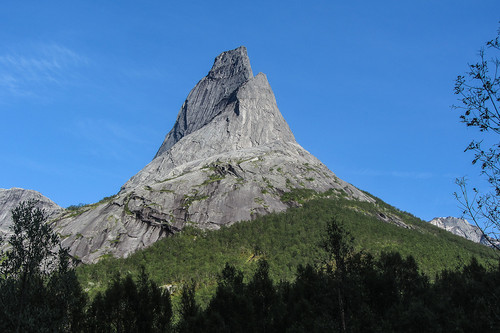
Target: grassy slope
x=287, y=240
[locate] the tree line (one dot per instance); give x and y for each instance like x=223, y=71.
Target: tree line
x=343, y=291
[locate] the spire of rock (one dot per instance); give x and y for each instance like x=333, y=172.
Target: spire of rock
x=229, y=157
x=210, y=96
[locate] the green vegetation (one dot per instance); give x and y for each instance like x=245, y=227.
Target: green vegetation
x=226, y=281
x=129, y=306
x=309, y=167
x=126, y=207
x=213, y=178
x=189, y=199
x=287, y=240
x=75, y=207
x=75, y=210
x=384, y=294
x=298, y=195
x=39, y=292
x=269, y=185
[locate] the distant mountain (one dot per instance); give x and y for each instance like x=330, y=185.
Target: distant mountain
x=10, y=198
x=463, y=228
x=230, y=156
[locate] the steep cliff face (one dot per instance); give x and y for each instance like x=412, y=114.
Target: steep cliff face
x=229, y=157
x=210, y=96
x=10, y=198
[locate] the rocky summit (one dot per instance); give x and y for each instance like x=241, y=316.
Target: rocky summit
x=229, y=157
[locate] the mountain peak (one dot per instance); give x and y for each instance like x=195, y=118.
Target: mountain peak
x=230, y=157
x=231, y=63
x=210, y=95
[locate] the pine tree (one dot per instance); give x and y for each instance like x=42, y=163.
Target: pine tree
x=38, y=289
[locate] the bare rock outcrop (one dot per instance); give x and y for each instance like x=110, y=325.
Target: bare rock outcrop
x=229, y=157
x=10, y=198
x=463, y=228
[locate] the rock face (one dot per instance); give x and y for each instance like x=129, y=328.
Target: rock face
x=210, y=96
x=10, y=198
x=462, y=228
x=229, y=157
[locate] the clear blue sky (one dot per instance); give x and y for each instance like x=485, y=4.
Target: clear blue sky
x=88, y=89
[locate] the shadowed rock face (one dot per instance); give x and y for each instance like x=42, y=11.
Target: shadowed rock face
x=229, y=157
x=210, y=96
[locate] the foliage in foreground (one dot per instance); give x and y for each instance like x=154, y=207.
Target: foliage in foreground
x=39, y=292
x=387, y=294
x=384, y=294
x=127, y=306
x=344, y=290
x=480, y=109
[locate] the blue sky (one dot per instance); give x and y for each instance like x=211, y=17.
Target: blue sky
x=88, y=89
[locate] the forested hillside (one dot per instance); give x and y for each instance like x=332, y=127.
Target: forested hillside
x=287, y=240
x=330, y=265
